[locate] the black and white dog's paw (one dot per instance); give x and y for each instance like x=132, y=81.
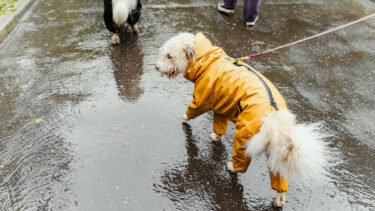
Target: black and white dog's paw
x=115, y=39
x=134, y=28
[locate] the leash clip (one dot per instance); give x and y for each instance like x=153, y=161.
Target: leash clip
x=241, y=59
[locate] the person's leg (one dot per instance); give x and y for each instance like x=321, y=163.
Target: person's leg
x=230, y=4
x=250, y=10
x=227, y=6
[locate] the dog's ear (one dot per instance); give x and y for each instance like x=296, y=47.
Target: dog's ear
x=190, y=53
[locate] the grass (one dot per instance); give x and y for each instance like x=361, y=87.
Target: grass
x=7, y=6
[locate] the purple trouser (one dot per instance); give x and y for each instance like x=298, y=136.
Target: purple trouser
x=250, y=8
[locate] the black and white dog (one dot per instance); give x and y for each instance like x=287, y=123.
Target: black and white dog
x=116, y=12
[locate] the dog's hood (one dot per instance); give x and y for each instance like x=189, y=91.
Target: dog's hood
x=205, y=55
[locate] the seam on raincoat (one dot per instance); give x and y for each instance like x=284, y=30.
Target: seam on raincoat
x=269, y=93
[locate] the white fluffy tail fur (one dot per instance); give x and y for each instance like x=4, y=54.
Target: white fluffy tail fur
x=295, y=151
x=121, y=10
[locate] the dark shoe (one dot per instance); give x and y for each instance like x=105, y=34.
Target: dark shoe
x=252, y=23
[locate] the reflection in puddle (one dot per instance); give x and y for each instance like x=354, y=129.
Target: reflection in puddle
x=127, y=59
x=201, y=182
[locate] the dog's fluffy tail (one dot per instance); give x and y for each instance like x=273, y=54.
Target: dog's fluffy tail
x=121, y=10
x=296, y=151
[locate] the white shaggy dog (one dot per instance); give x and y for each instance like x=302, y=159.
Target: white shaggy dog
x=294, y=151
x=175, y=55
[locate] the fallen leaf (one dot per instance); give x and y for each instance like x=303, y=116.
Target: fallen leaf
x=37, y=120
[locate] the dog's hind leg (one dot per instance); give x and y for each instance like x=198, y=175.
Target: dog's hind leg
x=115, y=39
x=134, y=28
x=279, y=184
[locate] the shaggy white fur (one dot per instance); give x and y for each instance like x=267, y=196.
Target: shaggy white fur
x=121, y=10
x=175, y=55
x=295, y=151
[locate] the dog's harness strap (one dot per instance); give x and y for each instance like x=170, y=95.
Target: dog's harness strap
x=269, y=93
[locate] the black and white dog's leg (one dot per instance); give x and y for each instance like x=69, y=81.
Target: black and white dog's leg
x=110, y=23
x=134, y=17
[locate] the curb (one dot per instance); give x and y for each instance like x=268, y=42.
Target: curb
x=9, y=22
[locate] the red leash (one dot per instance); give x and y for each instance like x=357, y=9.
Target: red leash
x=305, y=39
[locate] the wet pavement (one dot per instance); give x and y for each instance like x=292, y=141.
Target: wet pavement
x=88, y=126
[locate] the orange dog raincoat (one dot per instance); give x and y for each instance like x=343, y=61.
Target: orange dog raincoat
x=233, y=91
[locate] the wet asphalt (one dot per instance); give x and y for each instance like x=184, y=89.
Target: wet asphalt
x=85, y=125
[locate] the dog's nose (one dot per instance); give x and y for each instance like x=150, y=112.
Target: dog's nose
x=157, y=67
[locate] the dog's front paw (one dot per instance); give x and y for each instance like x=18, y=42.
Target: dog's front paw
x=215, y=137
x=280, y=199
x=230, y=167
x=115, y=39
x=135, y=28
x=185, y=117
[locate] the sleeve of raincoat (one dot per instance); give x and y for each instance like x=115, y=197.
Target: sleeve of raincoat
x=198, y=105
x=220, y=124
